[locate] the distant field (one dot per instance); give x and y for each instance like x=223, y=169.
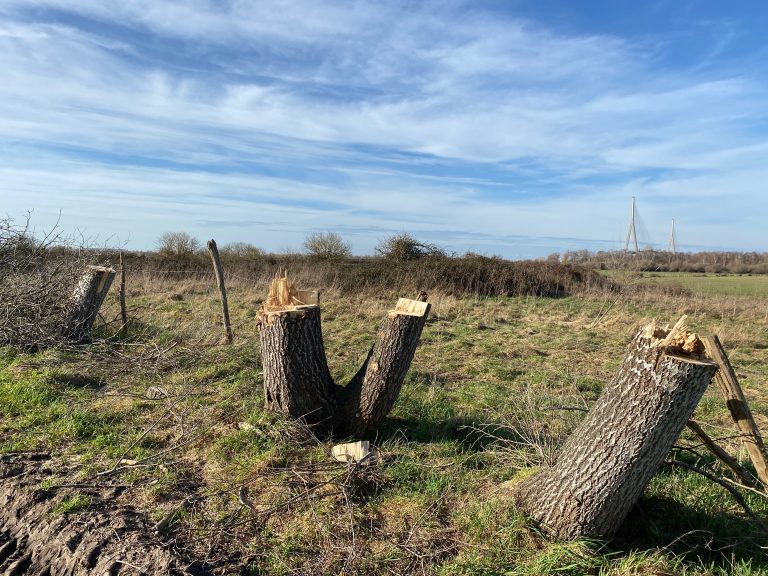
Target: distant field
x=707, y=284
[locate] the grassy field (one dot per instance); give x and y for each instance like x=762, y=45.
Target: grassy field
x=482, y=405
x=702, y=284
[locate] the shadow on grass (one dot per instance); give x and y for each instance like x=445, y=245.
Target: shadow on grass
x=464, y=431
x=720, y=539
x=78, y=380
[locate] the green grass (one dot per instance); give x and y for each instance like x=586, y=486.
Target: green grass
x=434, y=503
x=708, y=284
x=72, y=504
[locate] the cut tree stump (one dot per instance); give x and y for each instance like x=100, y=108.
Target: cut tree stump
x=86, y=301
x=297, y=381
x=606, y=463
x=372, y=392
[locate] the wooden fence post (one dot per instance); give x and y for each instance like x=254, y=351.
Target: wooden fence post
x=121, y=296
x=219, y=270
x=738, y=407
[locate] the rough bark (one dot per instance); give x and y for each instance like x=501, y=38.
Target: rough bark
x=297, y=381
x=218, y=270
x=607, y=462
x=86, y=301
x=370, y=395
x=738, y=407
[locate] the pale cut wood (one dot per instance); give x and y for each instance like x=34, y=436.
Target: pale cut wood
x=352, y=451
x=409, y=307
x=609, y=459
x=738, y=407
x=218, y=269
x=720, y=453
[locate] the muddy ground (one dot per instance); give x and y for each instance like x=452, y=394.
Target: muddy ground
x=107, y=537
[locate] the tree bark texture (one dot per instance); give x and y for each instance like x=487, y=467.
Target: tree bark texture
x=86, y=301
x=737, y=405
x=607, y=462
x=372, y=393
x=218, y=270
x=297, y=381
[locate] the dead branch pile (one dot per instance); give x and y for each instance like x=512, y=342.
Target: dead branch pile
x=37, y=281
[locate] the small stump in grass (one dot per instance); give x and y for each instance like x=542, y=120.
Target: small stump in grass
x=85, y=303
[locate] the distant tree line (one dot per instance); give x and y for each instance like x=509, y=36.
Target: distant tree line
x=660, y=261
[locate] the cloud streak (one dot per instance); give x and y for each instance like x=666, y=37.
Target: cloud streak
x=434, y=117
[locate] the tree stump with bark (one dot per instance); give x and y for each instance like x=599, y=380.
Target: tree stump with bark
x=85, y=302
x=606, y=463
x=297, y=381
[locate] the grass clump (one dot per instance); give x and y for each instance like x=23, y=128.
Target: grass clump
x=72, y=504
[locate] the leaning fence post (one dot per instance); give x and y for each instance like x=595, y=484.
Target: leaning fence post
x=738, y=407
x=121, y=296
x=219, y=270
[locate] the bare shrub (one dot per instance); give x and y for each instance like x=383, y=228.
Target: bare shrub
x=327, y=245
x=241, y=250
x=178, y=244
x=404, y=247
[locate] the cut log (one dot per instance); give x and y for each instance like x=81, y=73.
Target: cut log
x=86, y=301
x=297, y=381
x=738, y=407
x=607, y=462
x=370, y=395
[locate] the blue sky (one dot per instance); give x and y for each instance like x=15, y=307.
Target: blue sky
x=512, y=127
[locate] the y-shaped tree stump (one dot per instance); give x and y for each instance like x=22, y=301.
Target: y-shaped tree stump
x=297, y=380
x=85, y=302
x=607, y=462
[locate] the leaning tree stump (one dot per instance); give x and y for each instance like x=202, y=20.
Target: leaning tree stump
x=372, y=392
x=86, y=301
x=297, y=381
x=606, y=463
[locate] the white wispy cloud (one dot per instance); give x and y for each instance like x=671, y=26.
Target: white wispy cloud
x=432, y=116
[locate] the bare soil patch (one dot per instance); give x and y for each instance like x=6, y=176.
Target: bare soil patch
x=105, y=537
